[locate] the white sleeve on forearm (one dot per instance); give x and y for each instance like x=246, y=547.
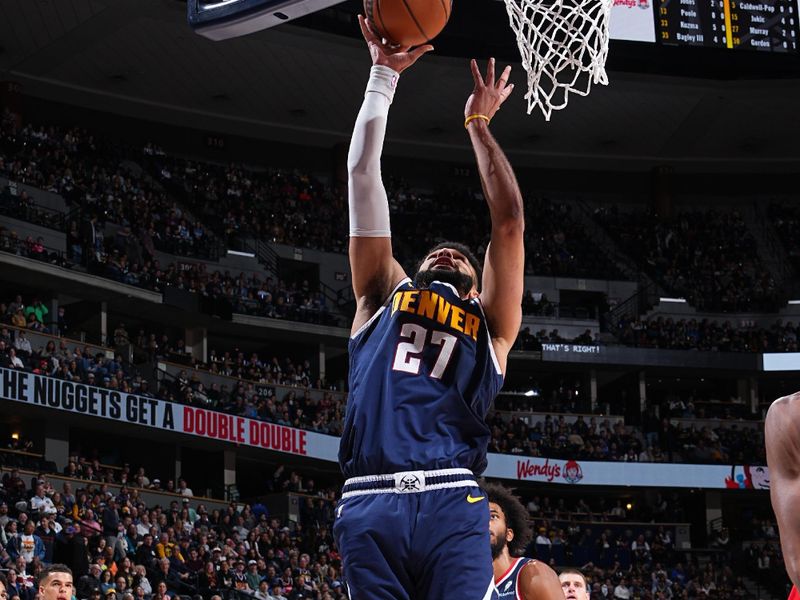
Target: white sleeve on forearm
x=367, y=200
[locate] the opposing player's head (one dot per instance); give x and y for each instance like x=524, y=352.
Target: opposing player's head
x=55, y=582
x=453, y=263
x=574, y=585
x=508, y=521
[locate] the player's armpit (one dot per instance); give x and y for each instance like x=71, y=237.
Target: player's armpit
x=782, y=436
x=539, y=582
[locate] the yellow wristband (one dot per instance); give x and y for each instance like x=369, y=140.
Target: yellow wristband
x=475, y=116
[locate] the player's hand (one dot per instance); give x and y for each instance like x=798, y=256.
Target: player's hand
x=488, y=95
x=397, y=58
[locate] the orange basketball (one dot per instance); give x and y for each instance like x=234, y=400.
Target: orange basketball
x=408, y=22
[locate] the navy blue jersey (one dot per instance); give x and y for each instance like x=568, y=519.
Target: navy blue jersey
x=423, y=375
x=508, y=585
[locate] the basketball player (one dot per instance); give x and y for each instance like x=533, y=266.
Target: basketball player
x=55, y=582
x=427, y=358
x=782, y=437
x=573, y=583
x=516, y=577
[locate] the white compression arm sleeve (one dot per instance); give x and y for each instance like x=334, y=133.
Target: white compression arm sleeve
x=368, y=203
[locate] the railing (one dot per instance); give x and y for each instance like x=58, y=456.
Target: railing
x=532, y=418
x=343, y=299
x=201, y=373
x=29, y=211
x=632, y=308
x=267, y=256
x=71, y=344
x=22, y=248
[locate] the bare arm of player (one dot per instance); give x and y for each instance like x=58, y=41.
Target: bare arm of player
x=782, y=437
x=503, y=272
x=537, y=581
x=374, y=270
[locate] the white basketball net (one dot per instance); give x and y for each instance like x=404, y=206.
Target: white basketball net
x=563, y=45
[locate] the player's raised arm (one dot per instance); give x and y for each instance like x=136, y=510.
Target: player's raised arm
x=375, y=271
x=782, y=437
x=503, y=273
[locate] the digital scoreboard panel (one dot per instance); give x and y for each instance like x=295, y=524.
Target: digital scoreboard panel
x=759, y=25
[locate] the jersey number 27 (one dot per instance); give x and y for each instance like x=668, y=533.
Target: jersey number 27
x=408, y=359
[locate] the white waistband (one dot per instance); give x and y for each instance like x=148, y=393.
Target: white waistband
x=411, y=482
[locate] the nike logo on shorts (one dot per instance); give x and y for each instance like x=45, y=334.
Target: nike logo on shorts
x=472, y=499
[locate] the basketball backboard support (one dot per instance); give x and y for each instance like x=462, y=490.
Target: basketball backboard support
x=223, y=19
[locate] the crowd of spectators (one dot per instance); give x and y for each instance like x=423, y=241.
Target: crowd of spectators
x=280, y=390
x=323, y=412
x=274, y=389
x=627, y=549
x=707, y=257
x=596, y=438
x=11, y=242
x=786, y=219
x=121, y=548
x=94, y=176
x=706, y=335
x=240, y=203
x=276, y=205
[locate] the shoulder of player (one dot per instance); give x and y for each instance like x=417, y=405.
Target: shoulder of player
x=538, y=580
x=781, y=412
x=784, y=407
x=782, y=429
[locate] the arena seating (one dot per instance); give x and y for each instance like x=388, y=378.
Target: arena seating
x=706, y=256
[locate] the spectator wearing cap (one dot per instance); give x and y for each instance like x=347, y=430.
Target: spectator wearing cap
x=240, y=577
x=94, y=593
x=252, y=576
x=192, y=513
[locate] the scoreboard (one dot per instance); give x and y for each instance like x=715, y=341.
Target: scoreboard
x=760, y=25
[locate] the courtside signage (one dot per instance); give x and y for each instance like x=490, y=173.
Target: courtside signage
x=79, y=398
x=58, y=394
x=640, y=474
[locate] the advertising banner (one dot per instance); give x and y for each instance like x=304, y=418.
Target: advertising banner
x=57, y=394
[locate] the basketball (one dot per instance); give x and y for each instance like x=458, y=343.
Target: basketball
x=408, y=22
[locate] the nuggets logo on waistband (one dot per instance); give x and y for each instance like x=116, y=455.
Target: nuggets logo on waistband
x=434, y=307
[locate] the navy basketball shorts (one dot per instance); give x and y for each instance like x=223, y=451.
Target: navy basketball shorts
x=417, y=535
